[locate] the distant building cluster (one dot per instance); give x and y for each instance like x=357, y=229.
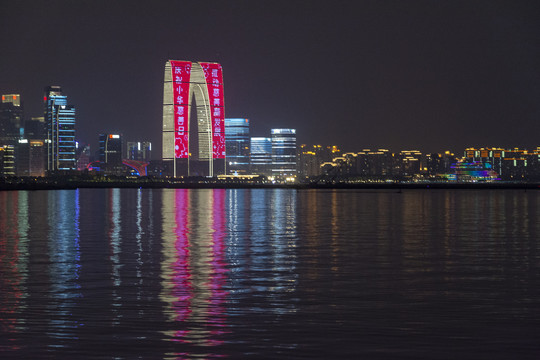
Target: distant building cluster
x=216, y=146
x=476, y=164
x=273, y=156
x=46, y=145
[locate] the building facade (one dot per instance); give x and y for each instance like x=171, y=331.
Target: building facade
x=237, y=143
x=110, y=153
x=7, y=160
x=11, y=119
x=139, y=150
x=35, y=128
x=261, y=156
x=283, y=152
x=60, y=123
x=30, y=157
x=199, y=151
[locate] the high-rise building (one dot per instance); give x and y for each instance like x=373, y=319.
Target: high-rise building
x=7, y=160
x=309, y=160
x=283, y=152
x=139, y=150
x=237, y=145
x=438, y=164
x=374, y=163
x=30, y=157
x=200, y=152
x=60, y=123
x=408, y=163
x=261, y=156
x=35, y=128
x=110, y=149
x=11, y=119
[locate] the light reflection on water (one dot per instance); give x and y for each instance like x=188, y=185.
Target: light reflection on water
x=186, y=273
x=194, y=270
x=63, y=239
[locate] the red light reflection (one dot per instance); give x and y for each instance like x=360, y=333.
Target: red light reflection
x=199, y=272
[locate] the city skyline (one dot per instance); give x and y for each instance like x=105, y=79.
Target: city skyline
x=399, y=75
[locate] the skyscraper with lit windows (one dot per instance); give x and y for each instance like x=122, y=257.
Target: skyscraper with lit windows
x=261, y=156
x=237, y=145
x=284, y=152
x=110, y=149
x=60, y=122
x=11, y=119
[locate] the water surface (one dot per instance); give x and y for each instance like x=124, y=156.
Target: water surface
x=269, y=273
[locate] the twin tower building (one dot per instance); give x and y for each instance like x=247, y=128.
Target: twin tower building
x=194, y=118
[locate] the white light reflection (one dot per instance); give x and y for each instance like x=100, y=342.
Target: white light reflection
x=64, y=253
x=115, y=243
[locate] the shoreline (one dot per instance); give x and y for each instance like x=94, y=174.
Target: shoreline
x=78, y=184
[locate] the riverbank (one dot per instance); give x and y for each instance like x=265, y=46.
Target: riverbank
x=203, y=183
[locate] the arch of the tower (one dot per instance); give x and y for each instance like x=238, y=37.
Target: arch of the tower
x=202, y=82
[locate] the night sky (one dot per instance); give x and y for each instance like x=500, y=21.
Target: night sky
x=427, y=75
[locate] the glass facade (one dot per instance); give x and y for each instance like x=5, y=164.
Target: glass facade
x=110, y=149
x=261, y=155
x=283, y=152
x=60, y=119
x=139, y=150
x=11, y=119
x=237, y=145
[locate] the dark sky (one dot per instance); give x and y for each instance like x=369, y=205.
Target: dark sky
x=429, y=75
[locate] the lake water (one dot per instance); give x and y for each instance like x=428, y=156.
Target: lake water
x=269, y=273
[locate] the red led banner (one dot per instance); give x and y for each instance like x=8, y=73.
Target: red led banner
x=181, y=72
x=214, y=78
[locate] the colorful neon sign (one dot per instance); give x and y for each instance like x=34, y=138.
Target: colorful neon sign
x=213, y=75
x=181, y=74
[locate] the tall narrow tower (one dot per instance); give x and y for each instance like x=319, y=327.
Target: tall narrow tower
x=201, y=84
x=60, y=123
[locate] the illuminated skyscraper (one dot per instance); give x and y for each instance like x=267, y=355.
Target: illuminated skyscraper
x=283, y=152
x=261, y=156
x=110, y=149
x=237, y=145
x=60, y=122
x=11, y=119
x=30, y=157
x=203, y=81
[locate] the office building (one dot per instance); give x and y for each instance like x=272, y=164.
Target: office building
x=60, y=123
x=7, y=160
x=237, y=146
x=35, y=129
x=201, y=150
x=11, y=119
x=30, y=157
x=283, y=152
x=261, y=156
x=110, y=153
x=139, y=150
